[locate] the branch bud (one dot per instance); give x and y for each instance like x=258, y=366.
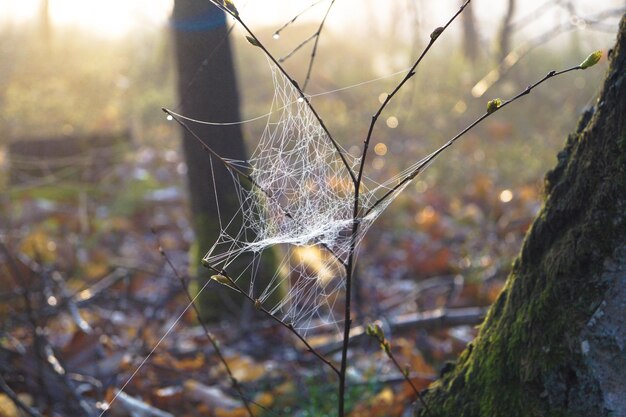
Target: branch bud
x=493, y=105
x=435, y=34
x=374, y=330
x=253, y=41
x=221, y=279
x=591, y=60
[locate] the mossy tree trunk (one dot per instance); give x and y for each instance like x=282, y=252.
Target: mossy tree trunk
x=554, y=342
x=207, y=88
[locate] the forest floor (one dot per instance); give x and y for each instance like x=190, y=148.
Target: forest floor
x=90, y=307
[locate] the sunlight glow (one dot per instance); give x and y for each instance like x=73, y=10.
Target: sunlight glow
x=111, y=18
x=114, y=18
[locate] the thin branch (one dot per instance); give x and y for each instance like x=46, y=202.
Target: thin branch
x=410, y=381
x=296, y=49
x=257, y=304
x=315, y=36
x=428, y=320
x=235, y=384
x=377, y=333
x=314, y=51
x=256, y=42
x=283, y=27
x=355, y=215
x=433, y=38
x=513, y=57
x=426, y=161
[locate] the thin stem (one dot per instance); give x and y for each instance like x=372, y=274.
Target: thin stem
x=259, y=44
x=314, y=51
x=407, y=379
x=277, y=32
x=375, y=331
x=347, y=317
x=296, y=49
x=433, y=38
x=355, y=214
x=257, y=304
x=422, y=165
x=233, y=381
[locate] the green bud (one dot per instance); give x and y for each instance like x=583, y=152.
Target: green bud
x=374, y=330
x=591, y=60
x=493, y=105
x=386, y=346
x=253, y=41
x=221, y=279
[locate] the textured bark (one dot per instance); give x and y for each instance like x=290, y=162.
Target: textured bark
x=554, y=342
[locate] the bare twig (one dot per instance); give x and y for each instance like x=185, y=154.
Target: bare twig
x=357, y=208
x=316, y=37
x=376, y=332
x=513, y=57
x=228, y=8
x=292, y=20
x=428, y=320
x=257, y=304
x=315, y=44
x=210, y=336
x=426, y=161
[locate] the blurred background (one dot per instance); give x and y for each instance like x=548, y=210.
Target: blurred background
x=89, y=167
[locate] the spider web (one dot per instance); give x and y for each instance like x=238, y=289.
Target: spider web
x=301, y=200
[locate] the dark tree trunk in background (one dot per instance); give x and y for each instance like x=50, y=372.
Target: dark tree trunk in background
x=207, y=89
x=470, y=33
x=554, y=342
x=504, y=36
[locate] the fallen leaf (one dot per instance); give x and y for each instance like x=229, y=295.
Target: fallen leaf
x=244, y=369
x=7, y=407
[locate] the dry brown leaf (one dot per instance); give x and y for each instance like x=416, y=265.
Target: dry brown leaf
x=244, y=369
x=7, y=407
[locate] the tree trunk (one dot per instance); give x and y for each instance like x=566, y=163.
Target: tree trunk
x=207, y=89
x=504, y=36
x=554, y=342
x=470, y=33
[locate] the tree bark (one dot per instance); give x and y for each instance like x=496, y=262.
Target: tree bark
x=470, y=33
x=554, y=342
x=207, y=87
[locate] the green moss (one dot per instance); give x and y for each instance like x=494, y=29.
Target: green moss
x=526, y=360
